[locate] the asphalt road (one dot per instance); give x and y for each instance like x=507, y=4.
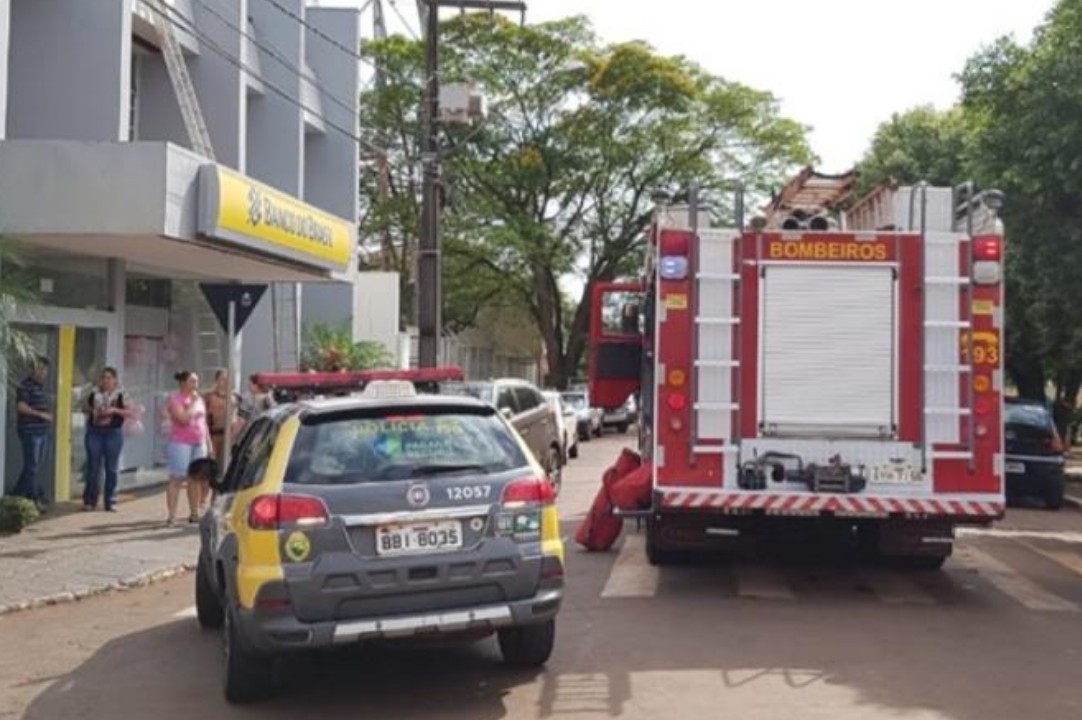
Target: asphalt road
x=780, y=632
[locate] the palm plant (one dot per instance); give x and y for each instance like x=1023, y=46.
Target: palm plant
x=17, y=292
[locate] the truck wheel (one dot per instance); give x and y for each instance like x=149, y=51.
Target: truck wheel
x=655, y=555
x=208, y=607
x=1053, y=499
x=527, y=646
x=247, y=675
x=922, y=562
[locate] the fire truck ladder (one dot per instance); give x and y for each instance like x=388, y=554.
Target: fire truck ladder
x=963, y=325
x=706, y=282
x=181, y=80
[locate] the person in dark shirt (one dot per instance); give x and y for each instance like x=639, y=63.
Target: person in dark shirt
x=106, y=410
x=32, y=424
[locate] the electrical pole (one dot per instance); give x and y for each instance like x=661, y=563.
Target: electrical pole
x=429, y=281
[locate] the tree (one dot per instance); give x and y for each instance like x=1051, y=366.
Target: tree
x=556, y=182
x=920, y=144
x=1025, y=106
x=332, y=349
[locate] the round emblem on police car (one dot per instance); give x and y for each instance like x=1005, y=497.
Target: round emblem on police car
x=477, y=524
x=418, y=495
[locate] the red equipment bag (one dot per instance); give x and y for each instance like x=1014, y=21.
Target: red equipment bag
x=632, y=490
x=600, y=529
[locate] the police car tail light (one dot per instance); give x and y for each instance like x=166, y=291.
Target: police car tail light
x=529, y=491
x=270, y=512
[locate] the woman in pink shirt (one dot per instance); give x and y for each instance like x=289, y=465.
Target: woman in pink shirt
x=188, y=440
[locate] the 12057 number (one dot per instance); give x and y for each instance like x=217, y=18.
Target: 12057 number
x=469, y=492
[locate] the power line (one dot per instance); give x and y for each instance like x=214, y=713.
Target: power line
x=173, y=16
x=277, y=54
x=352, y=53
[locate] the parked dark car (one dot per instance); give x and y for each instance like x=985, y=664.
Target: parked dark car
x=1034, y=453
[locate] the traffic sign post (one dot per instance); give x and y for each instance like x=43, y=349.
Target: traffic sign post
x=232, y=304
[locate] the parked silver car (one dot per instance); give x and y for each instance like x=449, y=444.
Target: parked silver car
x=587, y=419
x=525, y=408
x=567, y=421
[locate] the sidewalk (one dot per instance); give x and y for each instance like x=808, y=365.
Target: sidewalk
x=69, y=554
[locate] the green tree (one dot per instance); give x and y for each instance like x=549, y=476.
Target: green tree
x=1025, y=105
x=920, y=144
x=556, y=182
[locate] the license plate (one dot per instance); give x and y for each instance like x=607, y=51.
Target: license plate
x=1016, y=467
x=894, y=474
x=422, y=537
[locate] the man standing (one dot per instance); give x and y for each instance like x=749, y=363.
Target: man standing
x=32, y=425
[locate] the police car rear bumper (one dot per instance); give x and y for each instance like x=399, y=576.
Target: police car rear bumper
x=277, y=633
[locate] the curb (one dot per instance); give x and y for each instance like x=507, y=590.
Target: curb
x=129, y=583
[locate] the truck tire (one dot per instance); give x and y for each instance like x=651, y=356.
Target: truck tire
x=528, y=646
x=922, y=562
x=656, y=555
x=208, y=606
x=1054, y=497
x=247, y=675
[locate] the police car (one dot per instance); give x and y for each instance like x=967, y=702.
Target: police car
x=385, y=514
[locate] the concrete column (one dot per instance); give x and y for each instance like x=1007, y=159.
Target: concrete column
x=69, y=69
x=275, y=124
x=219, y=82
x=5, y=21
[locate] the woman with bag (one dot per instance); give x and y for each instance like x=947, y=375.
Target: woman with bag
x=106, y=412
x=188, y=440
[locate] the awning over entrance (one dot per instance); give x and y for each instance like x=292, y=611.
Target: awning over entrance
x=164, y=209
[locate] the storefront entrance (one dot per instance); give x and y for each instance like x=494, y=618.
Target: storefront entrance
x=76, y=355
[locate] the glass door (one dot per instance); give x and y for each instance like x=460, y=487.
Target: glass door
x=44, y=339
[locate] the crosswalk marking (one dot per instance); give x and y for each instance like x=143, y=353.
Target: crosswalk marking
x=1008, y=581
x=188, y=612
x=895, y=588
x=1068, y=560
x=632, y=575
x=762, y=583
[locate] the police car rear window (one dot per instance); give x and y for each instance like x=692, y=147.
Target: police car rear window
x=376, y=447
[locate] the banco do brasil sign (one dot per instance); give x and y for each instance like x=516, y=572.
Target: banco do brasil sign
x=241, y=210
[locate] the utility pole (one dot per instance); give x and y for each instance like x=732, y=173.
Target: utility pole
x=430, y=295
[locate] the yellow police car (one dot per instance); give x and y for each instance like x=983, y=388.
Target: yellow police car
x=388, y=514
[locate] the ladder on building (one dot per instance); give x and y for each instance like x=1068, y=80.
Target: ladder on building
x=286, y=321
x=175, y=65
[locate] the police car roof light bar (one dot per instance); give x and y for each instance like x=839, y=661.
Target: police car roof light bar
x=323, y=382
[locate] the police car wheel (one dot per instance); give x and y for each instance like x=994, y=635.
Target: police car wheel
x=529, y=645
x=247, y=675
x=208, y=607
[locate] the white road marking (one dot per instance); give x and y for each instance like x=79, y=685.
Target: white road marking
x=761, y=583
x=1068, y=560
x=1008, y=581
x=188, y=612
x=895, y=588
x=1066, y=536
x=632, y=575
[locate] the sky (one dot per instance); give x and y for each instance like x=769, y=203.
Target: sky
x=841, y=67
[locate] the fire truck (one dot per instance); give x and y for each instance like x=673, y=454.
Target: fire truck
x=815, y=364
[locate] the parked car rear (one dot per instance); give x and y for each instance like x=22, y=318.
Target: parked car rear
x=1034, y=453
x=523, y=405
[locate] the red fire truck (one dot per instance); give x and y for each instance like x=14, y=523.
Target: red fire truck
x=841, y=366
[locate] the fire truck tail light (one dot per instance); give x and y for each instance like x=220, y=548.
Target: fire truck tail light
x=677, y=401
x=982, y=407
x=676, y=424
x=987, y=249
x=674, y=244
x=981, y=430
x=986, y=272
